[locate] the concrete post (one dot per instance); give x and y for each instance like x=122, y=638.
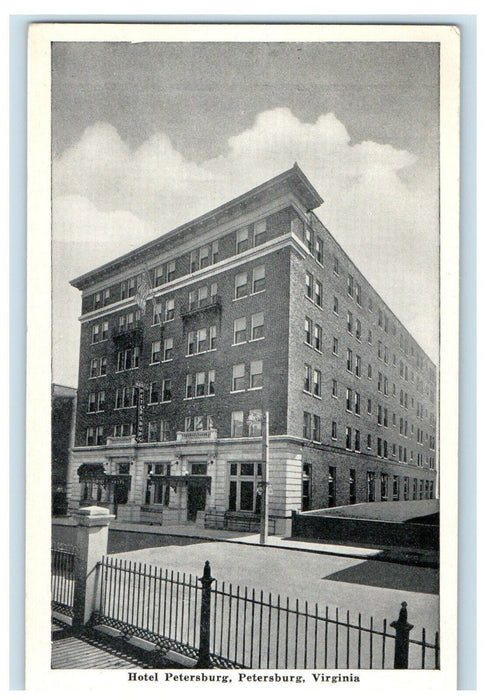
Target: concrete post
x=92, y=543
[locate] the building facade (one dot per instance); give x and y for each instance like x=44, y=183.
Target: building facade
x=187, y=341
x=63, y=409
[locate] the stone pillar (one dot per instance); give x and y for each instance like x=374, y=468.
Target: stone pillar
x=92, y=542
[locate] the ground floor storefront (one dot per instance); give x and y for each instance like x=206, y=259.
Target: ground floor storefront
x=219, y=483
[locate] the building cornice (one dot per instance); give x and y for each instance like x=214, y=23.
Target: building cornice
x=288, y=239
x=293, y=180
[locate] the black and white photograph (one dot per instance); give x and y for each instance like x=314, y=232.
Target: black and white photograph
x=243, y=248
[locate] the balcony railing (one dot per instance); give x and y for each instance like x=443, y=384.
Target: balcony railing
x=197, y=435
x=129, y=334
x=121, y=440
x=212, y=303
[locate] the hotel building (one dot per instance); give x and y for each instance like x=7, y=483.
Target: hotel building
x=253, y=307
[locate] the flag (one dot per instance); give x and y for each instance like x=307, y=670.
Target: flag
x=143, y=291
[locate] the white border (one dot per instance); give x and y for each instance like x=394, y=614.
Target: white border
x=38, y=672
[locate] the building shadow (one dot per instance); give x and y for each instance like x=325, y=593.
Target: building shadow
x=396, y=576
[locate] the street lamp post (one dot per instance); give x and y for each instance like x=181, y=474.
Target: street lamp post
x=265, y=456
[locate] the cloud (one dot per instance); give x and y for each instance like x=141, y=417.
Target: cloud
x=111, y=198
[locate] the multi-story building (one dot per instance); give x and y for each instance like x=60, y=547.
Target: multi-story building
x=252, y=307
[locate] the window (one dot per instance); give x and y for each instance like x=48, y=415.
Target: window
x=239, y=330
x=91, y=402
x=335, y=305
x=238, y=378
x=349, y=360
x=331, y=502
x=128, y=359
x=258, y=284
x=380, y=318
x=154, y=392
x=168, y=349
x=200, y=383
x=204, y=256
x=370, y=372
x=349, y=323
x=357, y=441
x=319, y=249
x=317, y=337
x=334, y=430
x=165, y=431
x=242, y=239
x=169, y=309
x=380, y=349
x=243, y=487
x=256, y=374
x=318, y=293
x=406, y=488
x=317, y=383
x=306, y=431
x=369, y=407
x=358, y=329
x=155, y=352
x=335, y=266
x=171, y=270
x=202, y=340
x=166, y=390
x=215, y=252
x=159, y=276
x=257, y=326
x=335, y=346
x=370, y=337
x=396, y=488
x=349, y=399
x=357, y=368
x=255, y=419
x=306, y=486
x=241, y=282
x=237, y=424
x=368, y=441
x=189, y=386
x=350, y=285
x=316, y=428
x=348, y=438
x=307, y=377
x=309, y=285
x=370, y=486
x=358, y=294
x=357, y=403
x=384, y=487
x=202, y=297
x=157, y=313
x=308, y=239
x=259, y=232
x=334, y=388
x=308, y=330
x=94, y=367
x=95, y=333
x=153, y=431
x=95, y=436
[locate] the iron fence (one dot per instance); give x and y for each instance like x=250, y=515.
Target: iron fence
x=236, y=627
x=62, y=578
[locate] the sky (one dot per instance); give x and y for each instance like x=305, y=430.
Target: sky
x=148, y=136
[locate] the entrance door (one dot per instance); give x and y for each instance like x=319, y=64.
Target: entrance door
x=120, y=495
x=196, y=492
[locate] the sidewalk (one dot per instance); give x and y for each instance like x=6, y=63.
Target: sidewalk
x=396, y=555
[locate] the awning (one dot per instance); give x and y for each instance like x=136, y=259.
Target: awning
x=95, y=474
x=182, y=480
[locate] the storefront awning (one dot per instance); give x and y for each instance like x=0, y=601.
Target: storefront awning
x=183, y=480
x=95, y=473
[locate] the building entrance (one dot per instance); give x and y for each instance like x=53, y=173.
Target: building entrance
x=196, y=492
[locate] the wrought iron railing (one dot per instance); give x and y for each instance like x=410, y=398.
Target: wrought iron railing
x=231, y=626
x=62, y=578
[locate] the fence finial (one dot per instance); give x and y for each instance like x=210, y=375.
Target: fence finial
x=402, y=641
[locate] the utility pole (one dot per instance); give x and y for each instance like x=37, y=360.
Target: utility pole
x=264, y=483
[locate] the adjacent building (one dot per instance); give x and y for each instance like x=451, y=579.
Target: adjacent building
x=188, y=340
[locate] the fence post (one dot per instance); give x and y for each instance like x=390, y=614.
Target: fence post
x=91, y=542
x=402, y=641
x=204, y=660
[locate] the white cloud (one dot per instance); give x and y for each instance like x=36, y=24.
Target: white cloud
x=114, y=198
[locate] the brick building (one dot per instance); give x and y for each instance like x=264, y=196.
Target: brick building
x=252, y=307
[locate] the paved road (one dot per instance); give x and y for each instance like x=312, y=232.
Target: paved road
x=366, y=586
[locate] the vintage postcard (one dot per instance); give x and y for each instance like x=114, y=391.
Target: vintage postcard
x=242, y=357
